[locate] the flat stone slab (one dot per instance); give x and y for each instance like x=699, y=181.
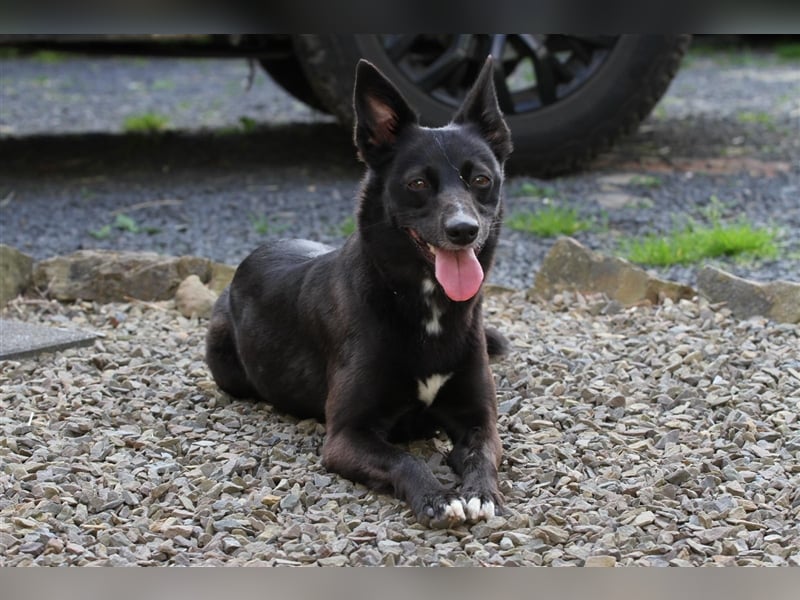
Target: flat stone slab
x=21, y=340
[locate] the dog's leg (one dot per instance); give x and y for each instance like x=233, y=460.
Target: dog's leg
x=476, y=457
x=365, y=456
x=477, y=450
x=496, y=343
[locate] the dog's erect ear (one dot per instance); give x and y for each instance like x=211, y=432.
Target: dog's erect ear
x=381, y=112
x=481, y=109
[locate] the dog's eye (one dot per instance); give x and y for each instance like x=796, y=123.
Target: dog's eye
x=481, y=181
x=417, y=184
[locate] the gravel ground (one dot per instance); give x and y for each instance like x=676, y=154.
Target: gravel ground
x=646, y=436
x=239, y=167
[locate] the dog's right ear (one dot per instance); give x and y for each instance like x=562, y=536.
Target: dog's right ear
x=381, y=113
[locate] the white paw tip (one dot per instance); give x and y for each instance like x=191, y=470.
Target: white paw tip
x=479, y=510
x=474, y=508
x=455, y=510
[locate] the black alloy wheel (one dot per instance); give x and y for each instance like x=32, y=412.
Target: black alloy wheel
x=565, y=97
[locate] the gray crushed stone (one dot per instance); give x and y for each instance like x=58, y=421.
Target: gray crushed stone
x=645, y=436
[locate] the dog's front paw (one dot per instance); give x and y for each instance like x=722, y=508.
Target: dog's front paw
x=481, y=505
x=441, y=511
x=478, y=508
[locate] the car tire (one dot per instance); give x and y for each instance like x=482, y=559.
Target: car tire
x=288, y=74
x=620, y=83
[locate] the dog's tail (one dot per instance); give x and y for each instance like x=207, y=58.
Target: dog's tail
x=496, y=343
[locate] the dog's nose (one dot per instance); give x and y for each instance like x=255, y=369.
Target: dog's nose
x=461, y=230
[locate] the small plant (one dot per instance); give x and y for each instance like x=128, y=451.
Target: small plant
x=536, y=191
x=49, y=56
x=347, y=227
x=645, y=181
x=694, y=243
x=264, y=226
x=548, y=222
x=101, y=234
x=124, y=223
x=248, y=124
x=757, y=118
x=788, y=51
x=145, y=123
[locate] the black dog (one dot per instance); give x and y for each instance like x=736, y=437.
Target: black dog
x=384, y=338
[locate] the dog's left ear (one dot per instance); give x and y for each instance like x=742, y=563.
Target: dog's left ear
x=481, y=109
x=381, y=113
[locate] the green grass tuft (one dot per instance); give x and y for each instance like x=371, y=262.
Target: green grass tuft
x=646, y=181
x=248, y=124
x=788, y=51
x=347, y=227
x=145, y=123
x=122, y=222
x=694, y=243
x=263, y=225
x=757, y=118
x=548, y=222
x=536, y=191
x=49, y=56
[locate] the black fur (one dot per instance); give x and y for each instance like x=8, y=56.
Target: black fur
x=348, y=336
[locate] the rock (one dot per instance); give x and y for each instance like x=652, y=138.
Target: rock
x=776, y=300
x=109, y=276
x=194, y=298
x=551, y=534
x=230, y=545
x=571, y=266
x=600, y=561
x=221, y=276
x=644, y=518
x=616, y=200
x=16, y=269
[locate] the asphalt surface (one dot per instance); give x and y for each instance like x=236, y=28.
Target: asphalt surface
x=238, y=166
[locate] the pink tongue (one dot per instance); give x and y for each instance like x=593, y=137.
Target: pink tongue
x=459, y=273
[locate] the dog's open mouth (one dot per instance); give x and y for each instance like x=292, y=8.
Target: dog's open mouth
x=457, y=271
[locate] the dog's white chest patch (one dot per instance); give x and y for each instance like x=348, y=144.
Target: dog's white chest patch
x=432, y=325
x=427, y=390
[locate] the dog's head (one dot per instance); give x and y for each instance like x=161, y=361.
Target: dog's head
x=441, y=188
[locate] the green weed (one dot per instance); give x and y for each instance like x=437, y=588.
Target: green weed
x=123, y=223
x=645, y=181
x=145, y=123
x=49, y=56
x=263, y=225
x=548, y=222
x=347, y=227
x=536, y=191
x=757, y=118
x=248, y=125
x=788, y=51
x=696, y=242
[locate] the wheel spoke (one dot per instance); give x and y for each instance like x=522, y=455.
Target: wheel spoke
x=497, y=46
x=397, y=45
x=444, y=65
x=546, y=67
